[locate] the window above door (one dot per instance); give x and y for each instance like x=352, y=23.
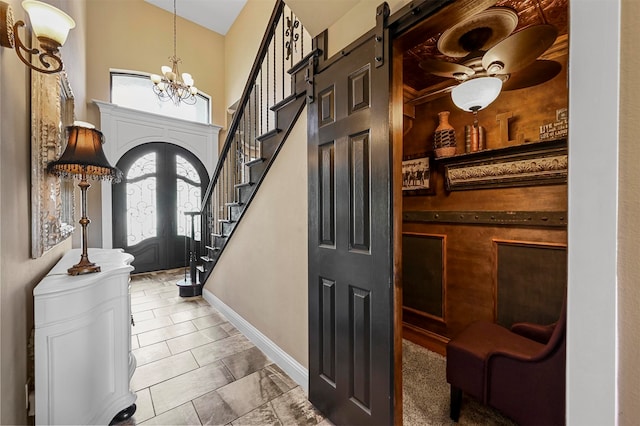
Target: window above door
x=131, y=89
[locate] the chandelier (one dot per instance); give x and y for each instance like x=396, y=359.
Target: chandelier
x=172, y=85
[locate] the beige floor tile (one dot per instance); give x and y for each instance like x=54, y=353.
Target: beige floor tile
x=151, y=324
x=144, y=299
x=293, y=407
x=215, y=333
x=250, y=392
x=134, y=342
x=155, y=336
x=161, y=289
x=193, y=340
x=144, y=406
x=198, y=312
x=246, y=362
x=176, y=306
x=209, y=321
x=151, y=353
x=143, y=316
x=220, y=349
x=213, y=410
x=264, y=415
x=136, y=294
x=155, y=304
x=229, y=328
x=161, y=370
x=183, y=388
x=182, y=415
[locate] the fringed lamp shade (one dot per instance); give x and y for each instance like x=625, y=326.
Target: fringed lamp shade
x=84, y=155
x=84, y=158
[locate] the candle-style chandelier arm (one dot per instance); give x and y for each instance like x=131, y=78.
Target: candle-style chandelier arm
x=171, y=85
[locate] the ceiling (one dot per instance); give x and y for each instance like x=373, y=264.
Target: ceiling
x=216, y=15
x=219, y=15
x=529, y=14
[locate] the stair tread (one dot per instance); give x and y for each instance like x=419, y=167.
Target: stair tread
x=242, y=185
x=254, y=161
x=218, y=236
x=268, y=134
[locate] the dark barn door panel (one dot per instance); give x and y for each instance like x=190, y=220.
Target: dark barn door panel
x=350, y=255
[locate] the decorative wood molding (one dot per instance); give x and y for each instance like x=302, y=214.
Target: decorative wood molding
x=551, y=219
x=52, y=198
x=531, y=164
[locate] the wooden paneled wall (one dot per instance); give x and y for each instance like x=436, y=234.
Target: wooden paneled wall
x=470, y=252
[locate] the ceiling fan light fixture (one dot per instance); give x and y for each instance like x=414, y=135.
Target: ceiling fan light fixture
x=495, y=68
x=477, y=93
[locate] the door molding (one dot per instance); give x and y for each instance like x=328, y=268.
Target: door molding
x=126, y=128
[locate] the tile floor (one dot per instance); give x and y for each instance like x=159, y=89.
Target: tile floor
x=194, y=367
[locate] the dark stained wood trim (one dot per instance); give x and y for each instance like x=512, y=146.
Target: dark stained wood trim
x=425, y=315
x=432, y=341
x=529, y=164
x=396, y=128
x=535, y=219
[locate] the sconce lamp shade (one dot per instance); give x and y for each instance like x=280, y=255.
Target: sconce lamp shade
x=48, y=22
x=477, y=93
x=84, y=156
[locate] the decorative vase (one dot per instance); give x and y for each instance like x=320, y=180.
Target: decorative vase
x=444, y=137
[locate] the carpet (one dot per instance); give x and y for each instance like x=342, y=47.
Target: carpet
x=426, y=393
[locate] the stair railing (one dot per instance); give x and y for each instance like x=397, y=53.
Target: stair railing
x=269, y=84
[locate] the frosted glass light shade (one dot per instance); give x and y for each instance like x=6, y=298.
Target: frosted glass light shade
x=48, y=21
x=476, y=93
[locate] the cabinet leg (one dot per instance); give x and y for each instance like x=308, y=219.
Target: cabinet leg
x=124, y=414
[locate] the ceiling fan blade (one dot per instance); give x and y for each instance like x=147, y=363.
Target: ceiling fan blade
x=520, y=49
x=444, y=68
x=538, y=72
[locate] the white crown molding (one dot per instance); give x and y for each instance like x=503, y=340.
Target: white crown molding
x=126, y=128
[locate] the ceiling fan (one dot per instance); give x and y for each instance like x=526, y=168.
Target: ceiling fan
x=487, y=47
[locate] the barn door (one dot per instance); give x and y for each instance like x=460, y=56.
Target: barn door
x=350, y=244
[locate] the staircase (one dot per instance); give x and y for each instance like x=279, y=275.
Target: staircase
x=272, y=100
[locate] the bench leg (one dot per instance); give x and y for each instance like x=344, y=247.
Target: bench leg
x=456, y=402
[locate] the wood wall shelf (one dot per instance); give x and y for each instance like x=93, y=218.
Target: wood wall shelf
x=530, y=164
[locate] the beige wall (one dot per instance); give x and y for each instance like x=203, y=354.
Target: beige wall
x=242, y=42
x=134, y=35
x=629, y=225
x=262, y=274
x=18, y=272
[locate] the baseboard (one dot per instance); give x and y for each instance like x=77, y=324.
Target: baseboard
x=432, y=341
x=293, y=368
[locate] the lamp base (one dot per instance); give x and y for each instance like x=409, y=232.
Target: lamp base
x=84, y=267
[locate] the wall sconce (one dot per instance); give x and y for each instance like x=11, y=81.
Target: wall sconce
x=50, y=26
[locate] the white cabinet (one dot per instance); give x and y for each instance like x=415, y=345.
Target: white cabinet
x=83, y=360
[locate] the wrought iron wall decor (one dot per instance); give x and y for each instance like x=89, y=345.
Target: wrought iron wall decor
x=52, y=199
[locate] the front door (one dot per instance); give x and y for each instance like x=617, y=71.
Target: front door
x=351, y=359
x=161, y=181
